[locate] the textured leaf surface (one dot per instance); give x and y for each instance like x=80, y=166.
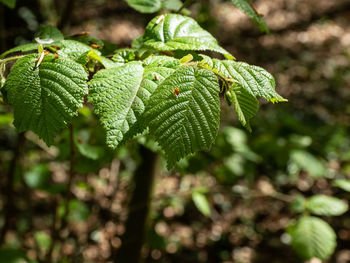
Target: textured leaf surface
x=172, y=32
x=257, y=81
x=124, y=55
x=188, y=122
x=246, y=105
x=74, y=49
x=145, y=6
x=21, y=48
x=247, y=8
x=48, y=32
x=116, y=98
x=313, y=237
x=323, y=205
x=45, y=98
x=120, y=95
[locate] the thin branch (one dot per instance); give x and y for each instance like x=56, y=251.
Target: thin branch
x=68, y=194
x=186, y=4
x=54, y=233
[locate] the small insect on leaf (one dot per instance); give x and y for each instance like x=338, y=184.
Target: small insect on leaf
x=156, y=77
x=40, y=59
x=95, y=46
x=56, y=56
x=176, y=91
x=46, y=52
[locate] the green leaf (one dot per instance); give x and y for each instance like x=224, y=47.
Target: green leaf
x=48, y=33
x=9, y=3
x=145, y=6
x=247, y=8
x=323, y=205
x=343, y=184
x=188, y=122
x=124, y=55
x=172, y=32
x=88, y=55
x=117, y=95
x=74, y=50
x=47, y=97
x=298, y=204
x=201, y=202
x=38, y=176
x=12, y=255
x=255, y=80
x=313, y=237
x=43, y=240
x=22, y=48
x=245, y=104
x=306, y=161
x=77, y=211
x=120, y=94
x=92, y=152
x=173, y=5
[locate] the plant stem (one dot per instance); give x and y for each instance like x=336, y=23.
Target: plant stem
x=68, y=194
x=71, y=157
x=58, y=225
x=10, y=59
x=54, y=233
x=133, y=238
x=9, y=190
x=186, y=4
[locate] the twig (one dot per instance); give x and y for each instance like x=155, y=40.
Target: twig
x=186, y=4
x=54, y=233
x=68, y=194
x=58, y=226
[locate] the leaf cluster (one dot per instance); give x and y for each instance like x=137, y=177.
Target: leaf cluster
x=148, y=88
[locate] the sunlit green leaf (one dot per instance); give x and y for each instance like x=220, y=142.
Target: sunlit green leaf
x=145, y=6
x=201, y=203
x=247, y=8
x=343, y=184
x=185, y=120
x=45, y=97
x=173, y=32
x=313, y=237
x=323, y=205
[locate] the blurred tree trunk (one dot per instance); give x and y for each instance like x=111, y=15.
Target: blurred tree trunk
x=9, y=189
x=133, y=238
x=66, y=14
